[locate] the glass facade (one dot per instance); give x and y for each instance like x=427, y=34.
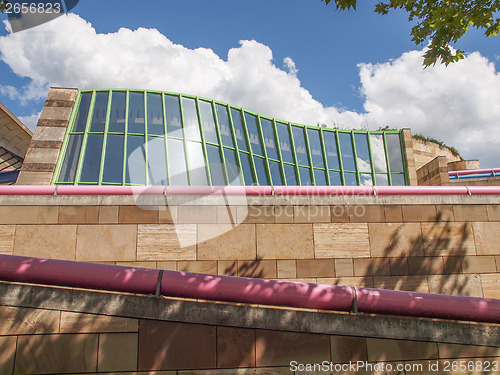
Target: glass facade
x=133, y=137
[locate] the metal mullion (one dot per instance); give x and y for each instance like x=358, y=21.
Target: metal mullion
x=64, y=146
x=203, y=143
x=146, y=162
x=294, y=154
x=221, y=146
x=389, y=178
x=339, y=155
x=105, y=137
x=355, y=156
x=249, y=145
x=125, y=142
x=402, y=147
x=264, y=150
x=278, y=149
x=309, y=155
x=165, y=138
x=186, y=158
x=85, y=137
x=372, y=164
x=323, y=152
x=235, y=143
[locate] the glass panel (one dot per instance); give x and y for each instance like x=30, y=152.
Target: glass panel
x=197, y=167
x=83, y=113
x=365, y=179
x=350, y=179
x=191, y=125
x=113, y=159
x=291, y=180
x=224, y=128
x=305, y=176
x=300, y=145
x=274, y=167
x=92, y=159
x=261, y=171
x=100, y=112
x=335, y=178
x=269, y=139
x=117, y=115
x=320, y=177
x=136, y=112
x=315, y=147
x=177, y=163
x=70, y=163
x=208, y=122
x=381, y=179
x=362, y=153
x=346, y=151
x=253, y=134
x=157, y=161
x=173, y=115
x=378, y=153
x=233, y=172
x=394, y=149
x=136, y=160
x=398, y=179
x=155, y=115
x=215, y=163
x=332, y=157
x=238, y=129
x=285, y=144
x=246, y=168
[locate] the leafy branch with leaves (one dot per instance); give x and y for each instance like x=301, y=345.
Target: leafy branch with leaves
x=443, y=22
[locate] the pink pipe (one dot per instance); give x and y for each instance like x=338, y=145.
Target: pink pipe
x=323, y=190
x=27, y=190
x=474, y=171
x=109, y=190
x=421, y=190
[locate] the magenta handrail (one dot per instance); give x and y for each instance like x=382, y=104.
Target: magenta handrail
x=474, y=171
x=246, y=290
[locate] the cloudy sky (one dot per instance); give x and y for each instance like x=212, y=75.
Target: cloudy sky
x=296, y=60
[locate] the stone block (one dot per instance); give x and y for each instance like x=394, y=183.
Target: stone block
x=226, y=214
x=168, y=215
x=226, y=242
x=470, y=212
x=18, y=214
x=150, y=264
x=106, y=243
x=462, y=285
x=7, y=233
x=55, y=113
x=311, y=214
x=393, y=214
x=448, y=239
x=287, y=269
x=345, y=349
x=49, y=133
x=46, y=241
x=56, y=93
x=25, y=321
x=341, y=240
x=42, y=155
x=7, y=354
x=407, y=283
x=395, y=239
x=493, y=211
x=166, y=242
x=315, y=268
x=34, y=178
x=479, y=264
x=227, y=267
x=367, y=214
x=256, y=214
x=399, y=266
x=426, y=265
x=398, y=350
x=204, y=266
x=487, y=237
x=466, y=351
x=179, y=346
x=445, y=212
x=362, y=282
x=263, y=269
x=372, y=266
x=285, y=241
x=344, y=268
x=197, y=214
x=452, y=265
x=283, y=214
x=235, y=347
x=167, y=265
x=490, y=286
x=48, y=214
x=117, y=352
x=88, y=323
x=78, y=215
x=48, y=354
x=340, y=214
x=108, y=215
x=137, y=215
x=419, y=213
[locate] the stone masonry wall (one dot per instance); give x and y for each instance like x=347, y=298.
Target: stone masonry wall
x=424, y=152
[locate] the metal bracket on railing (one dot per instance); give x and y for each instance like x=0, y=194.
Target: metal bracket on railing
x=354, y=308
x=158, y=284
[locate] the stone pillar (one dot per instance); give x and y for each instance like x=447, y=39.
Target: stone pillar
x=43, y=151
x=434, y=173
x=410, y=158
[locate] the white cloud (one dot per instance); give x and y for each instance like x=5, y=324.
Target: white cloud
x=30, y=121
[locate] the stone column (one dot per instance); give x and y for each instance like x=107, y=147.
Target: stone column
x=410, y=158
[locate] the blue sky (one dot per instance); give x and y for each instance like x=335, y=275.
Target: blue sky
x=324, y=49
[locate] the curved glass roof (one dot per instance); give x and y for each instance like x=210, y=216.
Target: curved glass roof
x=138, y=137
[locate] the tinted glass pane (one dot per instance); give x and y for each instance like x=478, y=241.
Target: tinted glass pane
x=381, y=179
x=83, y=113
x=274, y=167
x=100, y=112
x=117, y=115
x=350, y=179
x=238, y=129
x=92, y=159
x=319, y=177
x=215, y=163
x=208, y=122
x=70, y=163
x=285, y=144
x=157, y=161
x=136, y=112
x=224, y=128
x=197, y=167
x=332, y=157
x=305, y=176
x=173, y=115
x=177, y=163
x=362, y=153
x=155, y=115
x=261, y=171
x=335, y=178
x=300, y=146
x=398, y=179
x=191, y=125
x=347, y=153
x=394, y=149
x=253, y=133
x=315, y=147
x=247, y=170
x=269, y=139
x=365, y=179
x=113, y=160
x=291, y=180
x=136, y=160
x=378, y=152
x=233, y=172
